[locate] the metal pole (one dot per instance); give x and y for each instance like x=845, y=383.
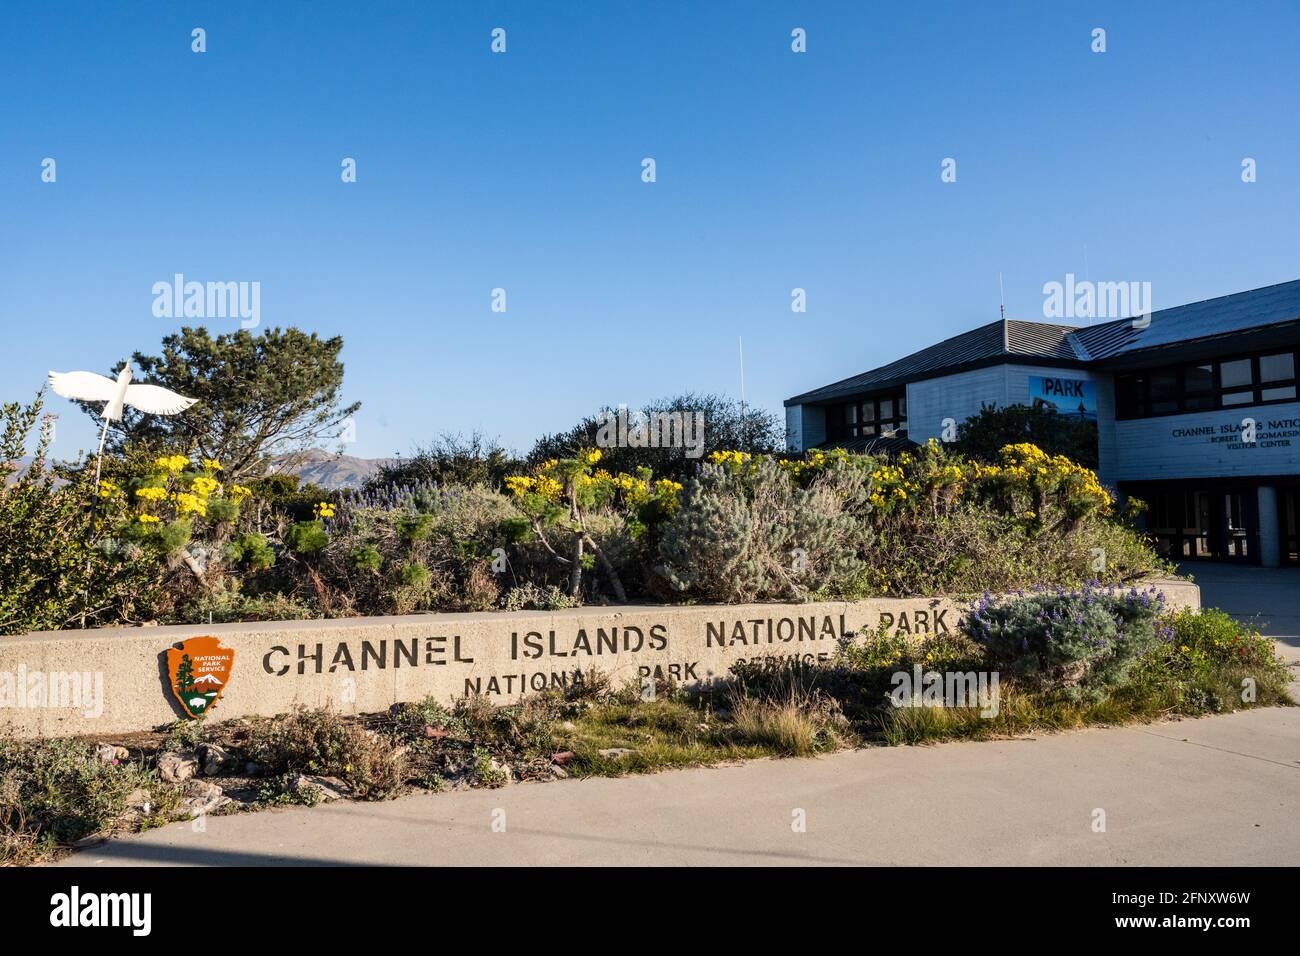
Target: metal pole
x=94, y=507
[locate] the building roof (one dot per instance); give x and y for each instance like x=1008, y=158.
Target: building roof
x=1067, y=345
x=1239, y=312
x=1001, y=339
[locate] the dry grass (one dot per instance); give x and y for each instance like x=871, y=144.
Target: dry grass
x=786, y=728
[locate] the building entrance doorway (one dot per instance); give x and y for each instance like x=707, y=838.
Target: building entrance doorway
x=1211, y=523
x=1288, y=512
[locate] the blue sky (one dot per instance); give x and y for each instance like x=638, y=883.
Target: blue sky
x=522, y=171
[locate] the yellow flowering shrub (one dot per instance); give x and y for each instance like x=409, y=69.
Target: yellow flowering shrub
x=190, y=504
x=547, y=485
x=1027, y=483
x=1046, y=482
x=174, y=494
x=734, y=460
x=560, y=496
x=204, y=487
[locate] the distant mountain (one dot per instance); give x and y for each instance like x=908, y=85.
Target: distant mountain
x=314, y=466
x=20, y=469
x=328, y=470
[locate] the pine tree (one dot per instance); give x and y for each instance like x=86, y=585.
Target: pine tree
x=185, y=674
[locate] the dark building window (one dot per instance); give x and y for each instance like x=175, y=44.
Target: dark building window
x=1248, y=380
x=867, y=417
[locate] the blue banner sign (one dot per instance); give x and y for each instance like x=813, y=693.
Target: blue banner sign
x=1075, y=397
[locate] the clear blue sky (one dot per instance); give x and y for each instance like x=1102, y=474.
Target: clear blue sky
x=522, y=171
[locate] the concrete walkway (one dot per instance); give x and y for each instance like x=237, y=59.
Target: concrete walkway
x=1222, y=790
x=1214, y=791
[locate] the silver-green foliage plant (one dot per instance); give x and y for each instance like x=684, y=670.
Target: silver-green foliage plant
x=753, y=534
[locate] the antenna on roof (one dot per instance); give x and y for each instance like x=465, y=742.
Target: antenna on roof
x=741, y=340
x=1002, y=307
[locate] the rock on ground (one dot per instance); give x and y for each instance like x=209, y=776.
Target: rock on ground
x=111, y=753
x=177, y=767
x=202, y=797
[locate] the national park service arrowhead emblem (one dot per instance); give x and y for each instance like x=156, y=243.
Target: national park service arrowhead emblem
x=199, y=670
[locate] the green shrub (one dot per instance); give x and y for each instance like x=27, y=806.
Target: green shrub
x=411, y=719
x=531, y=723
x=413, y=575
x=171, y=536
x=378, y=547
x=451, y=459
x=222, y=510
x=58, y=791
x=225, y=603
x=476, y=714
x=952, y=652
x=1082, y=641
x=415, y=527
x=487, y=771
x=49, y=577
x=367, y=558
x=884, y=652
x=984, y=435
x=287, y=789
x=1215, y=664
x=288, y=496
x=307, y=538
x=253, y=550
x=730, y=424
x=969, y=548
x=1210, y=636
x=322, y=742
x=878, y=650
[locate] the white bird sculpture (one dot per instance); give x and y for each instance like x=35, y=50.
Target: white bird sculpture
x=93, y=387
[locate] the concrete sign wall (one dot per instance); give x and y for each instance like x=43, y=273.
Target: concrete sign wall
x=116, y=679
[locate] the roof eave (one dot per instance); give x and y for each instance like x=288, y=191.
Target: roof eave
x=808, y=398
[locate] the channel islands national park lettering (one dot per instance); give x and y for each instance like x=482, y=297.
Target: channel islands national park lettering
x=685, y=648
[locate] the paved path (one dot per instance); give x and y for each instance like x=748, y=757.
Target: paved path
x=1213, y=791
x=1219, y=790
